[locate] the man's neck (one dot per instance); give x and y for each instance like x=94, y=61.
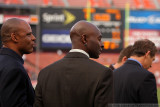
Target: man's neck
x=117, y=65
x=12, y=48
x=139, y=59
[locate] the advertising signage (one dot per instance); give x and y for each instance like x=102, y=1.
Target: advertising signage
x=56, y=23
x=144, y=19
x=153, y=35
x=60, y=18
x=144, y=24
x=56, y=38
x=31, y=19
x=55, y=26
x=110, y=22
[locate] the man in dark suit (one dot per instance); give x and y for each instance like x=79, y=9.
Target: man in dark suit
x=124, y=55
x=133, y=83
x=15, y=86
x=76, y=80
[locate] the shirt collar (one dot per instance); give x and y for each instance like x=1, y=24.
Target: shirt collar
x=79, y=50
x=135, y=60
x=7, y=51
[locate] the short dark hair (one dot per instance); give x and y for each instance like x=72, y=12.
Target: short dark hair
x=8, y=27
x=125, y=52
x=141, y=47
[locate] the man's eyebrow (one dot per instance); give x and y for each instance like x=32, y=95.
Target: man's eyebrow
x=29, y=33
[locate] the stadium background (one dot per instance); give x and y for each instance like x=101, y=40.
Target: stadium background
x=121, y=22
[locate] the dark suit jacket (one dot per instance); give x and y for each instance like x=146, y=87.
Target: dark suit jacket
x=134, y=84
x=15, y=86
x=111, y=67
x=74, y=81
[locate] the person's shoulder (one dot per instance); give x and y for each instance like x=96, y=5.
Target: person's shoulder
x=14, y=64
x=10, y=63
x=148, y=77
x=111, y=67
x=49, y=68
x=95, y=64
x=145, y=71
x=13, y=69
x=52, y=65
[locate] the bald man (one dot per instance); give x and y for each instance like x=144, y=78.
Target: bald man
x=15, y=86
x=76, y=80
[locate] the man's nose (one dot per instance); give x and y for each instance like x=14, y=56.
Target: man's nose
x=102, y=45
x=33, y=37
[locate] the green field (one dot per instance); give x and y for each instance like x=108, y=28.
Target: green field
x=158, y=94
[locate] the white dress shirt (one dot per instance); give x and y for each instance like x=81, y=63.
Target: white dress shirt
x=79, y=50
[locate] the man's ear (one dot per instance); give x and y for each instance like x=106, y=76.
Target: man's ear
x=147, y=53
x=124, y=59
x=13, y=37
x=84, y=39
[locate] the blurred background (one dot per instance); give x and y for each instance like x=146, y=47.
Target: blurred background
x=121, y=22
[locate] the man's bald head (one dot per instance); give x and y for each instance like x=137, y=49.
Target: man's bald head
x=10, y=26
x=86, y=36
x=81, y=28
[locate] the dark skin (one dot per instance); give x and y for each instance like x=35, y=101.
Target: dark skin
x=87, y=37
x=17, y=35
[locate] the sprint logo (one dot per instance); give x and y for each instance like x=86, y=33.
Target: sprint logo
x=69, y=17
x=66, y=17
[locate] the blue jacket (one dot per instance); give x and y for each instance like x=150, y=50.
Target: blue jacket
x=15, y=86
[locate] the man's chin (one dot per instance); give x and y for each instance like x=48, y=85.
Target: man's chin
x=95, y=57
x=28, y=52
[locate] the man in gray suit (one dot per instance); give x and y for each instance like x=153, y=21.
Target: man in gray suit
x=76, y=80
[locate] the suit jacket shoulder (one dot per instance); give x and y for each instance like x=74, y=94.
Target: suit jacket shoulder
x=79, y=59
x=75, y=80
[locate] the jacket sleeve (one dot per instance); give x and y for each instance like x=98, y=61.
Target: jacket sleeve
x=104, y=92
x=148, y=90
x=13, y=91
x=38, y=91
